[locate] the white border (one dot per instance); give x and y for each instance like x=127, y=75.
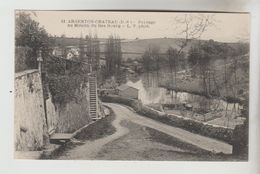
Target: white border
x=9, y=165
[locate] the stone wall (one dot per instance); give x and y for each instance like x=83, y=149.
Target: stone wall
x=67, y=99
x=38, y=114
x=29, y=115
x=66, y=85
x=24, y=59
x=55, y=101
x=69, y=116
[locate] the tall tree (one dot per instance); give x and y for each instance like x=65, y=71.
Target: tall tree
x=193, y=59
x=173, y=59
x=113, y=55
x=155, y=52
x=89, y=49
x=28, y=33
x=81, y=49
x=191, y=27
x=96, y=51
x=118, y=54
x=92, y=50
x=146, y=60
x=151, y=60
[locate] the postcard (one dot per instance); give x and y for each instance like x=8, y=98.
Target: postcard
x=131, y=85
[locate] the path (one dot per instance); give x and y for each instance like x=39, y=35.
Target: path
x=91, y=148
x=206, y=143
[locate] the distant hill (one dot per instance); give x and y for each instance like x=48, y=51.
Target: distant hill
x=70, y=41
x=137, y=46
x=142, y=44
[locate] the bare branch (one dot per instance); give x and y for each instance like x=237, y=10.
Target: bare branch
x=193, y=26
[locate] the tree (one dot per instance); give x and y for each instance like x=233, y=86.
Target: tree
x=28, y=33
x=113, y=55
x=96, y=52
x=146, y=60
x=90, y=51
x=109, y=56
x=151, y=61
x=155, y=52
x=81, y=49
x=118, y=54
x=191, y=27
x=204, y=66
x=173, y=58
x=63, y=46
x=193, y=59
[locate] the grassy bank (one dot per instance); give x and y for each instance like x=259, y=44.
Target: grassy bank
x=143, y=143
x=100, y=129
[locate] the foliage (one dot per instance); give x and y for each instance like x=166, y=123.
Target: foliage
x=193, y=56
x=217, y=50
x=113, y=55
x=151, y=59
x=204, y=56
x=66, y=88
x=65, y=78
x=91, y=53
x=23, y=59
x=29, y=34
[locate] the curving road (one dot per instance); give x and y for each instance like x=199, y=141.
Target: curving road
x=90, y=149
x=206, y=143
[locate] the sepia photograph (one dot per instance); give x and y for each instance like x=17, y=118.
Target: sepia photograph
x=131, y=85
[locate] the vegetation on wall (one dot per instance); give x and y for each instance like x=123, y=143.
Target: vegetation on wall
x=65, y=78
x=30, y=35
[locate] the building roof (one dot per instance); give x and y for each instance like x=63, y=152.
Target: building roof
x=124, y=87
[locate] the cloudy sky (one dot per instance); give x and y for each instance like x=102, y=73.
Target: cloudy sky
x=229, y=27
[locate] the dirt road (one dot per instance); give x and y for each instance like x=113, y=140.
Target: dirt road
x=141, y=138
x=191, y=138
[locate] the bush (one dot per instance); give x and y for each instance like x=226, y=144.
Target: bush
x=240, y=139
x=24, y=59
x=65, y=88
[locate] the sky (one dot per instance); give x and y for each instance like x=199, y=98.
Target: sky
x=228, y=27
